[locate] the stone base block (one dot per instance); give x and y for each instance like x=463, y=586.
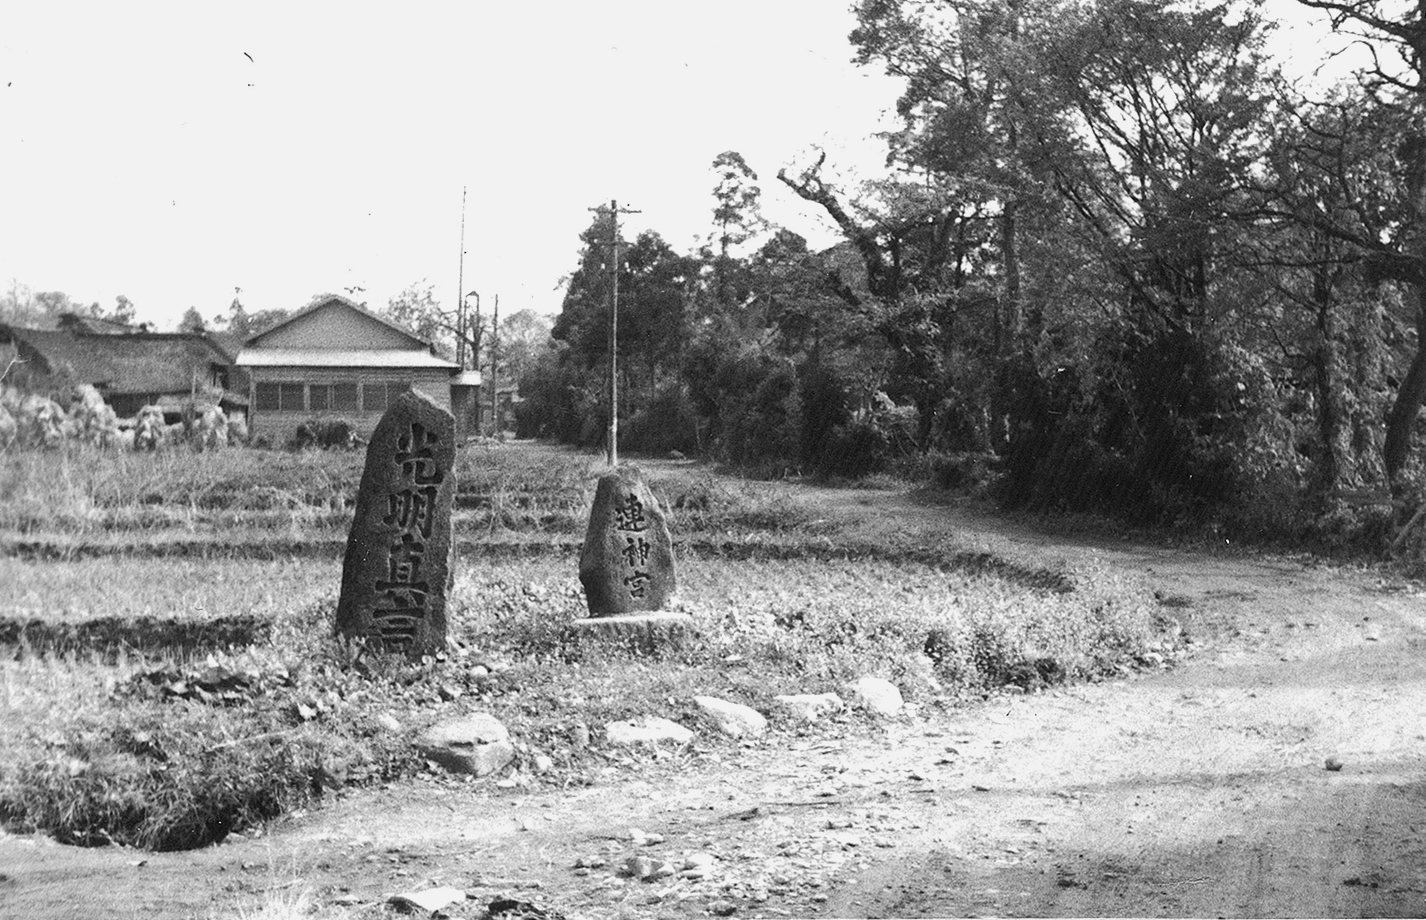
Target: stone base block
x=639, y=632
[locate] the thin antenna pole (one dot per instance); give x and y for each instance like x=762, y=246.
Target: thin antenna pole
x=460, y=289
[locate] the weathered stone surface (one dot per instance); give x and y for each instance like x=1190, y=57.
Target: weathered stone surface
x=648, y=730
x=429, y=901
x=627, y=563
x=732, y=719
x=476, y=744
x=809, y=707
x=398, y=561
x=639, y=632
x=879, y=696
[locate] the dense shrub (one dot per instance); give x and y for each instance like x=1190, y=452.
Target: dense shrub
x=1163, y=435
x=667, y=422
x=826, y=407
x=326, y=434
x=559, y=401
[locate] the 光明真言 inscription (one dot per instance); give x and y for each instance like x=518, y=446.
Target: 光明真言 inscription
x=397, y=567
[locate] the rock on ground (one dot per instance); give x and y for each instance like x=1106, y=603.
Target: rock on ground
x=477, y=744
x=878, y=695
x=809, y=707
x=732, y=719
x=647, y=730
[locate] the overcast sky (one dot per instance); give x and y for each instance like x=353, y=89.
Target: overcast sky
x=171, y=153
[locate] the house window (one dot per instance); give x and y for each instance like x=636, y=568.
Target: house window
x=292, y=395
x=268, y=397
x=319, y=397
x=373, y=397
x=281, y=397
x=344, y=397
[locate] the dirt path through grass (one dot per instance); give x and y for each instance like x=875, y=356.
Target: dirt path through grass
x=1195, y=791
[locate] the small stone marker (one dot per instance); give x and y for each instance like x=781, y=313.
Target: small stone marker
x=627, y=562
x=398, y=561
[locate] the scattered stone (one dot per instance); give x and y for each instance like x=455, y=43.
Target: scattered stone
x=388, y=722
x=544, y=763
x=647, y=869
x=641, y=839
x=699, y=861
x=723, y=908
x=878, y=695
x=512, y=909
x=732, y=719
x=397, y=566
x=476, y=744
x=647, y=730
x=626, y=565
x=430, y=900
x=1333, y=763
x=809, y=707
x=450, y=692
x=579, y=735
x=591, y=862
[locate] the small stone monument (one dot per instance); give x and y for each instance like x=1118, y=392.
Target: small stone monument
x=627, y=562
x=627, y=566
x=398, y=562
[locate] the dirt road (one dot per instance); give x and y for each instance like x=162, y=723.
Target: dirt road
x=1196, y=791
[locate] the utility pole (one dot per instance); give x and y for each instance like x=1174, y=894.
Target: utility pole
x=494, y=356
x=613, y=211
x=460, y=288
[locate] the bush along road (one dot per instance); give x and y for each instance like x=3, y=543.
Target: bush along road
x=1278, y=769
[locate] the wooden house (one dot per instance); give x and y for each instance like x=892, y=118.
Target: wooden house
x=129, y=366
x=335, y=360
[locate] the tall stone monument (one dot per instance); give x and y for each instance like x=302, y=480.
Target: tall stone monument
x=397, y=569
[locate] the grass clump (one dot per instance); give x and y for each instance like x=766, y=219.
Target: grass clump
x=144, y=756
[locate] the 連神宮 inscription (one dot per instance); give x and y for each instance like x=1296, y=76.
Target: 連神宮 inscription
x=627, y=562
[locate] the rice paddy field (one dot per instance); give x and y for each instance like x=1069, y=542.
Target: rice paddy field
x=168, y=673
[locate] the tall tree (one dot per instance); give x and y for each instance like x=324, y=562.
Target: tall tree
x=1387, y=225
x=524, y=336
x=736, y=217
x=192, y=321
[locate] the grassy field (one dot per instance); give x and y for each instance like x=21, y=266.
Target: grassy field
x=168, y=675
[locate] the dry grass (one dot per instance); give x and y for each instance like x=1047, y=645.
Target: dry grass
x=94, y=747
